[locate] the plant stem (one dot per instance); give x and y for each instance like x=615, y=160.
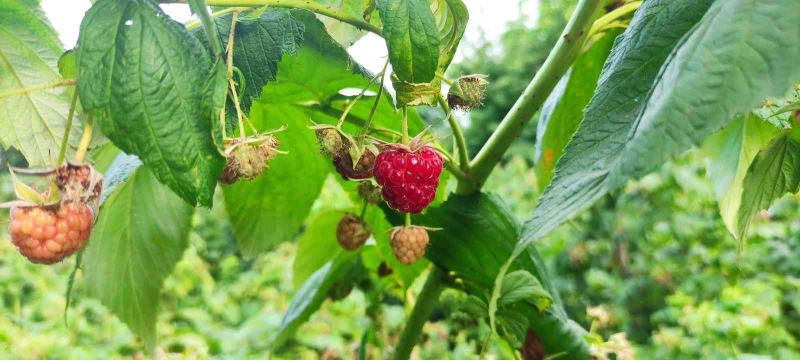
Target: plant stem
x=372, y=110
x=358, y=97
x=216, y=14
x=458, y=134
x=231, y=84
x=557, y=63
x=455, y=170
x=404, y=126
x=314, y=6
x=363, y=210
x=199, y=8
x=426, y=301
x=86, y=138
x=62, y=152
x=52, y=85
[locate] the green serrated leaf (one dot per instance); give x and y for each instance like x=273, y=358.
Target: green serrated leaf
x=730, y=153
x=143, y=74
x=563, y=111
x=345, y=33
x=259, y=45
x=67, y=65
x=773, y=173
x=513, y=326
x=718, y=59
x=310, y=296
x=451, y=18
x=478, y=235
x=141, y=232
x=316, y=246
x=521, y=286
x=409, y=28
x=270, y=209
x=32, y=122
x=215, y=92
x=733, y=60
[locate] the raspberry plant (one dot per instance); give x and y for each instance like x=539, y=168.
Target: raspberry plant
x=248, y=102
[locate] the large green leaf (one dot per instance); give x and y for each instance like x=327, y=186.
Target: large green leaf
x=409, y=28
x=643, y=112
x=259, y=45
x=318, y=89
x=773, y=173
x=478, y=234
x=740, y=53
x=563, y=111
x=730, y=153
x=142, y=231
x=345, y=33
x=270, y=209
x=32, y=122
x=308, y=299
x=627, y=78
x=316, y=246
x=451, y=20
x=143, y=75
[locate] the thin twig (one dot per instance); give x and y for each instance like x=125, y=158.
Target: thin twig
x=353, y=103
x=62, y=153
x=372, y=110
x=231, y=83
x=86, y=139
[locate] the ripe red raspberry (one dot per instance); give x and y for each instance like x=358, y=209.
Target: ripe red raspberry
x=362, y=170
x=351, y=232
x=409, y=243
x=409, y=177
x=48, y=234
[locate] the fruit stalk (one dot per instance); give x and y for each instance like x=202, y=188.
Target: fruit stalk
x=62, y=153
x=558, y=61
x=404, y=126
x=458, y=134
x=426, y=301
x=199, y=7
x=86, y=139
x=355, y=100
x=374, y=107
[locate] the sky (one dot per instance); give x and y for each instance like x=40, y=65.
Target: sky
x=487, y=18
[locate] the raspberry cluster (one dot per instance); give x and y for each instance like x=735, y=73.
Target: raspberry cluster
x=48, y=234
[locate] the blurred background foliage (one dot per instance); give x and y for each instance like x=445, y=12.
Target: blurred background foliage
x=653, y=261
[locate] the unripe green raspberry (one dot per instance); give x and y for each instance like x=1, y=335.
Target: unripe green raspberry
x=246, y=159
x=409, y=243
x=352, y=232
x=467, y=92
x=331, y=142
x=370, y=192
